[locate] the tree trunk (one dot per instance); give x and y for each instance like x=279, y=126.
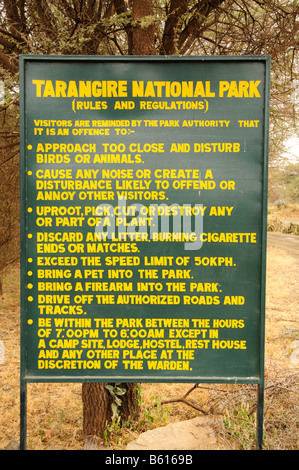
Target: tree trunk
x=97, y=411
x=97, y=401
x=143, y=34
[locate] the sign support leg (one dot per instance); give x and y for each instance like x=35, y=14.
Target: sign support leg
x=23, y=415
x=260, y=413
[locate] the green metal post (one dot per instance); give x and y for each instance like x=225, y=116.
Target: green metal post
x=260, y=417
x=23, y=415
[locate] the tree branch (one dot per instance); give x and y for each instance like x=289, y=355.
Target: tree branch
x=183, y=400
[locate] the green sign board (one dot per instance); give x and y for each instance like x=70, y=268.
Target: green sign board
x=143, y=213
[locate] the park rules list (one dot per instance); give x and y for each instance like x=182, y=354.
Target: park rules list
x=143, y=218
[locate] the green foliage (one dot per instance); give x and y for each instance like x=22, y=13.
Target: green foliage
x=116, y=393
x=240, y=425
x=154, y=415
x=151, y=417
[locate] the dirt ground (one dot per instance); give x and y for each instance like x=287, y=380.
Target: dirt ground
x=54, y=412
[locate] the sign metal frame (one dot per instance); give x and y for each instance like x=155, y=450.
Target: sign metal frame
x=146, y=61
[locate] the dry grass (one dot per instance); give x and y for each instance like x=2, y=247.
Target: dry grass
x=55, y=410
x=283, y=218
